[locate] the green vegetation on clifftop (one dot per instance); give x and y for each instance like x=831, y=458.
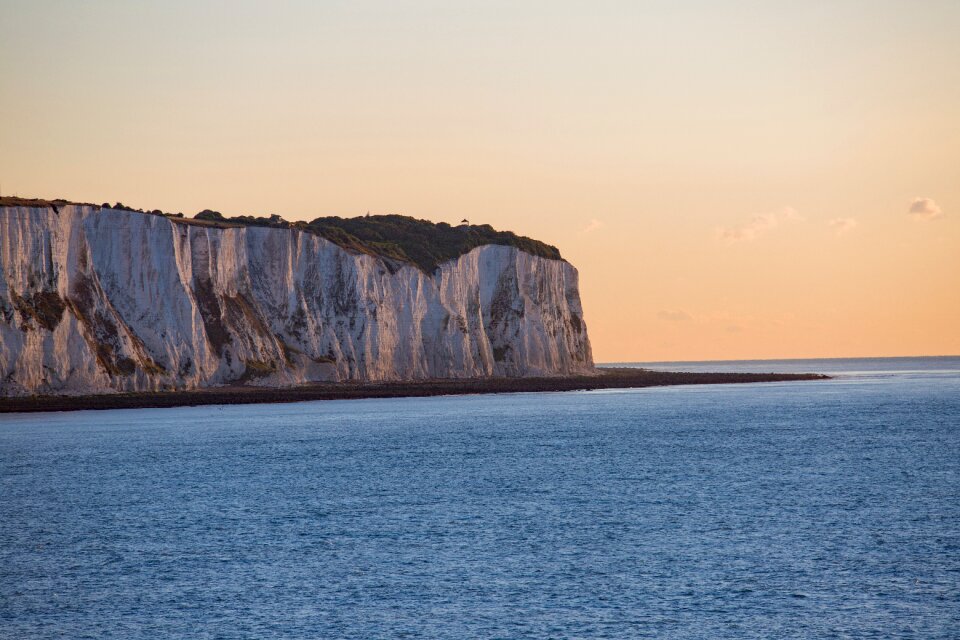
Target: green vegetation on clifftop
x=424, y=243
x=398, y=239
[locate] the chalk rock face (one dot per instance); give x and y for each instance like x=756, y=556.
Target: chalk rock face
x=99, y=300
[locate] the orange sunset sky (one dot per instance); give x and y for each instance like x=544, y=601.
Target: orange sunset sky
x=732, y=180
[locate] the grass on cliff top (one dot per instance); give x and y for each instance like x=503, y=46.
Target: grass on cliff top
x=399, y=239
x=15, y=201
x=424, y=243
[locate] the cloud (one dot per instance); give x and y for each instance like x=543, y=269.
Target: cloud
x=674, y=316
x=842, y=225
x=924, y=209
x=593, y=226
x=751, y=230
x=758, y=225
x=791, y=214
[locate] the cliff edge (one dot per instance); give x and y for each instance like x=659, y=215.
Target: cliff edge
x=99, y=300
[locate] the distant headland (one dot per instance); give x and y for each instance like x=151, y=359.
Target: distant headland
x=607, y=378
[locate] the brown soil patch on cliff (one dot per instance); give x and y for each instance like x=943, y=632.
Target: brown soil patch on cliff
x=43, y=307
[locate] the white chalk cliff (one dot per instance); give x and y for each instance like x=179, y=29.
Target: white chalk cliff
x=98, y=300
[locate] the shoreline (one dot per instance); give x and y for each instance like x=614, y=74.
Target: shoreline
x=607, y=378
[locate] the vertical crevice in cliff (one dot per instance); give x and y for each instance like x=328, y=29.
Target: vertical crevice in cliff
x=210, y=312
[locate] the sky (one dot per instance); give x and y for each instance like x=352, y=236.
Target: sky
x=732, y=180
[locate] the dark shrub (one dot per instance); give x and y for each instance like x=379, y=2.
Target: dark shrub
x=421, y=242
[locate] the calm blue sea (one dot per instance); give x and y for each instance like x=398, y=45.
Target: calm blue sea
x=783, y=510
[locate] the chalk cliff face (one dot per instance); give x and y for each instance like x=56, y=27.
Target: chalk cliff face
x=98, y=300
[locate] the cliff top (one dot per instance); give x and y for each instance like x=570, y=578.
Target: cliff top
x=424, y=243
x=55, y=203
x=397, y=238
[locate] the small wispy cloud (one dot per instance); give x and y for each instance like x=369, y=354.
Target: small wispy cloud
x=758, y=225
x=924, y=209
x=841, y=226
x=715, y=321
x=674, y=316
x=593, y=226
x=791, y=214
x=749, y=231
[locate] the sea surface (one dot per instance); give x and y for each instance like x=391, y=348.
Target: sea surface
x=779, y=510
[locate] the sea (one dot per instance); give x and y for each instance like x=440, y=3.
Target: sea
x=815, y=509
